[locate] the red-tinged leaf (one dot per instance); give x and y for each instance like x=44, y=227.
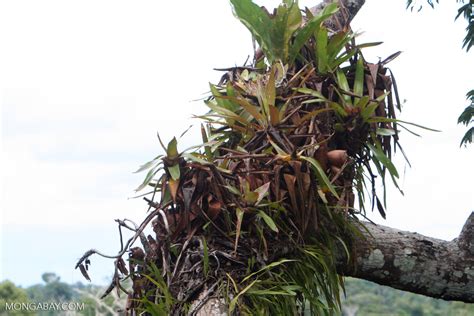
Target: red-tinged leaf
x=270, y=90
x=274, y=115
x=251, y=109
x=374, y=70
x=290, y=181
x=173, y=186
x=359, y=79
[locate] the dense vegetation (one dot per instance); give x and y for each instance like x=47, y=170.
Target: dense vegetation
x=257, y=215
x=291, y=140
x=363, y=298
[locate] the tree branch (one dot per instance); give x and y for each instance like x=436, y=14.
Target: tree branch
x=416, y=263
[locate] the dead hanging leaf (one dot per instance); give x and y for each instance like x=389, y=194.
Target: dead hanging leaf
x=121, y=266
x=290, y=185
x=276, y=185
x=84, y=272
x=117, y=286
x=373, y=69
x=370, y=86
x=108, y=290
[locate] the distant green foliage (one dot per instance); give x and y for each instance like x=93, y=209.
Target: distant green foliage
x=59, y=292
x=370, y=299
x=466, y=118
x=53, y=290
x=9, y=293
x=363, y=297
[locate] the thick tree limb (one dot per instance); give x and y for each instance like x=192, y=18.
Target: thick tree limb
x=416, y=263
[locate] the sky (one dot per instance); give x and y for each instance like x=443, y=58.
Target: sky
x=86, y=85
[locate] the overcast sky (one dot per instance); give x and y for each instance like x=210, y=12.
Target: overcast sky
x=85, y=86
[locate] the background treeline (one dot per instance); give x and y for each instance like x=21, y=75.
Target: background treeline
x=363, y=299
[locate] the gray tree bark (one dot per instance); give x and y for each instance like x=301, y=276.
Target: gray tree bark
x=416, y=263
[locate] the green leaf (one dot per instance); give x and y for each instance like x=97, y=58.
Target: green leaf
x=236, y=298
x=174, y=171
x=321, y=174
x=342, y=59
x=343, y=84
x=251, y=109
x=149, y=164
x=268, y=220
x=338, y=108
x=268, y=267
x=224, y=112
x=311, y=92
x=337, y=43
x=359, y=78
x=233, y=189
x=380, y=156
x=378, y=119
x=270, y=292
x=368, y=111
x=148, y=178
x=304, y=33
x=280, y=151
x=365, y=45
x=194, y=157
x=172, y=149
x=273, y=33
x=257, y=22
x=288, y=19
x=363, y=102
x=468, y=137
x=321, y=50
x=226, y=104
x=385, y=132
